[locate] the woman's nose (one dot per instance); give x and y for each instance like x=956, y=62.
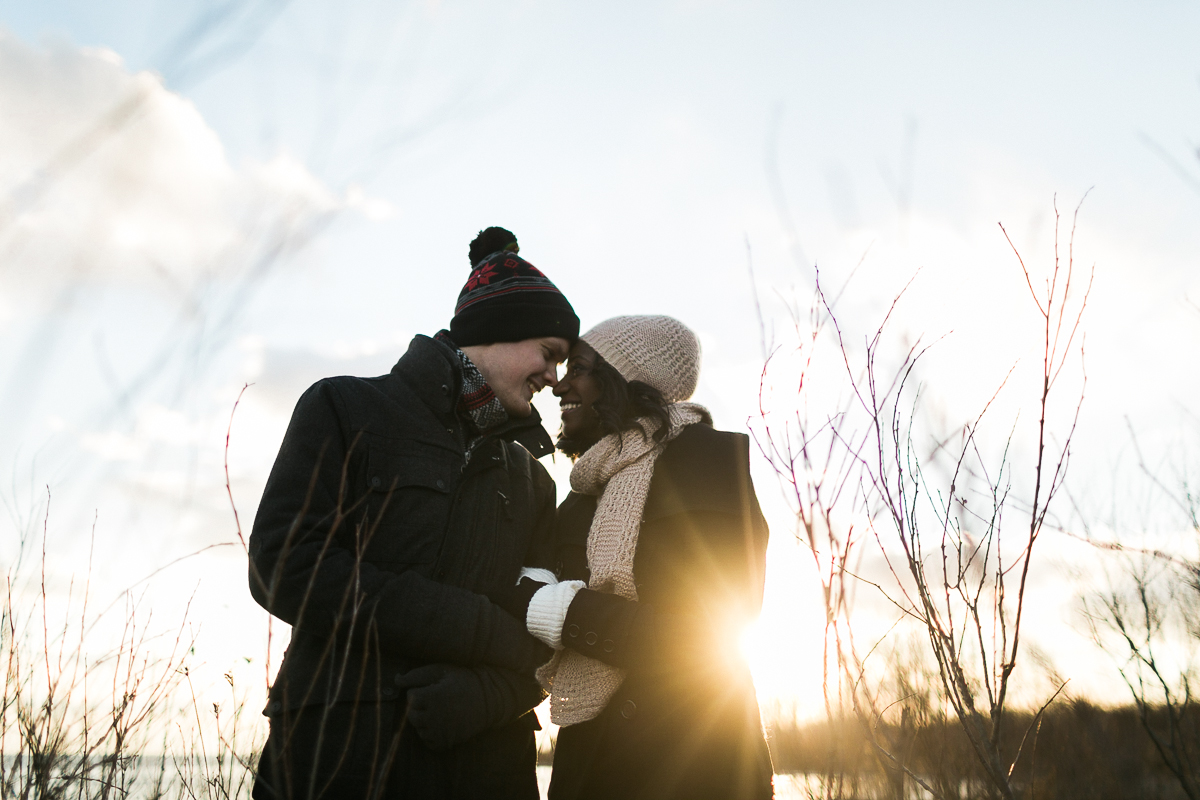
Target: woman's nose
x=561, y=387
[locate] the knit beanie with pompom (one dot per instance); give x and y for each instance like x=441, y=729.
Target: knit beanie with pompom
x=507, y=299
x=657, y=350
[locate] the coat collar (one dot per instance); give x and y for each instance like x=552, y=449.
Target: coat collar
x=431, y=370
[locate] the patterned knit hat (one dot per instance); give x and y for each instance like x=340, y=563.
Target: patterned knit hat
x=659, y=351
x=507, y=299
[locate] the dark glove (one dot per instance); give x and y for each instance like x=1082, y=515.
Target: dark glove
x=510, y=645
x=515, y=599
x=448, y=705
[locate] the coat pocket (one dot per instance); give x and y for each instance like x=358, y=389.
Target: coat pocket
x=407, y=506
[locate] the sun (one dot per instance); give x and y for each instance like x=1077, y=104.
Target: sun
x=784, y=645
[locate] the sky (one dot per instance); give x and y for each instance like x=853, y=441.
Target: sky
x=196, y=196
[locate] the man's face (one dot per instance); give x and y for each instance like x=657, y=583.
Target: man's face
x=517, y=371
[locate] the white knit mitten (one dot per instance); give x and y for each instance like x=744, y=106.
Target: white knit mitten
x=538, y=574
x=548, y=611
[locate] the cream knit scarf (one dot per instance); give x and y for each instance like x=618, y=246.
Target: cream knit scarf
x=618, y=468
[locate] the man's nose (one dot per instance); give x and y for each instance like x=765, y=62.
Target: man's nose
x=551, y=375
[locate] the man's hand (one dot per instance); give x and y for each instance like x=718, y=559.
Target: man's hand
x=448, y=705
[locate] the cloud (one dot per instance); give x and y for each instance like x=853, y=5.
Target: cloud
x=106, y=176
x=130, y=248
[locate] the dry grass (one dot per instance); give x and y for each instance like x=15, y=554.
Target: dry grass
x=102, y=704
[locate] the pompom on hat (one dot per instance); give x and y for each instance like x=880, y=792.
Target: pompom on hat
x=489, y=241
x=657, y=350
x=507, y=299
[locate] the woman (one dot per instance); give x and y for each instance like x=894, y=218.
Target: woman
x=663, y=526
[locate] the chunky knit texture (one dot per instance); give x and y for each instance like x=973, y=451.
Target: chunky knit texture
x=657, y=350
x=618, y=468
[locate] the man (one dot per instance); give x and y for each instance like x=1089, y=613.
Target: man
x=395, y=504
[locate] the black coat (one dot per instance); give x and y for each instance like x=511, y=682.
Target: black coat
x=685, y=722
x=376, y=541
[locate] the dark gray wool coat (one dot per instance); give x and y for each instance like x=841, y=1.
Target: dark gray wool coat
x=376, y=541
x=685, y=723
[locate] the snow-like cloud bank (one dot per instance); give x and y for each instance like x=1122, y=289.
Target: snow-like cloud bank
x=108, y=176
x=129, y=249
x=127, y=238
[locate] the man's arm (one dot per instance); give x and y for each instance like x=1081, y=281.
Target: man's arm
x=540, y=557
x=449, y=704
x=302, y=571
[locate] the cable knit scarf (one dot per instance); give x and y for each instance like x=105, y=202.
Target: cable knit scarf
x=618, y=468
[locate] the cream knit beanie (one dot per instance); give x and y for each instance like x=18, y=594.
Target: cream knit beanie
x=657, y=350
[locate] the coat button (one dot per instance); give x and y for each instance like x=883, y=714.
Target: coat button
x=441, y=484
x=628, y=709
x=591, y=637
x=573, y=630
x=445, y=389
x=376, y=482
x=608, y=645
x=388, y=691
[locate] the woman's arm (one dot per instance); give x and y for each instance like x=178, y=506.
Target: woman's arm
x=710, y=589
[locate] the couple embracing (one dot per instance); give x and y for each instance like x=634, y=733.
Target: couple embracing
x=409, y=537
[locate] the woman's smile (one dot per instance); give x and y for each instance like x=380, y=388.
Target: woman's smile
x=577, y=390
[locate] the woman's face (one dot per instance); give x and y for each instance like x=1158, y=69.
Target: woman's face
x=577, y=390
